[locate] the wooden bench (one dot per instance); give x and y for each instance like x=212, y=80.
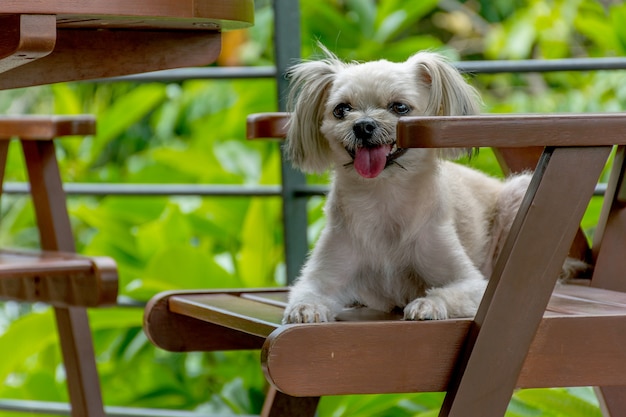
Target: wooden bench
x=527, y=333
x=56, y=275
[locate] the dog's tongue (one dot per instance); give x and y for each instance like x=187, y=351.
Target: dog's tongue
x=369, y=162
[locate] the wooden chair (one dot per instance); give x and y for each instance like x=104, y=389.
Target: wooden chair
x=56, y=275
x=527, y=333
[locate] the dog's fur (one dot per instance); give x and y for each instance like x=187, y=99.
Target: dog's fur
x=414, y=231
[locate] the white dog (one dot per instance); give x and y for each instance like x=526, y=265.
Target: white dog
x=405, y=228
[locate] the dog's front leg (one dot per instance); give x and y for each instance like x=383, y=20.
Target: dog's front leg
x=321, y=290
x=307, y=304
x=456, y=286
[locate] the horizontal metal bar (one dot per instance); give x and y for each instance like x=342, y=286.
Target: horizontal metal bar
x=201, y=73
x=541, y=65
x=63, y=409
x=473, y=67
x=102, y=189
x=156, y=190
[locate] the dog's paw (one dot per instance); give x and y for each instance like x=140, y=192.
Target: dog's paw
x=427, y=308
x=307, y=313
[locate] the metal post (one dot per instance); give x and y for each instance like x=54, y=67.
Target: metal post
x=287, y=51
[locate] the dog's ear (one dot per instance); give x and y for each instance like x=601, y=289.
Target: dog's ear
x=309, y=82
x=449, y=93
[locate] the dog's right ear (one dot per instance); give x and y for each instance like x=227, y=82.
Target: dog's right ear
x=309, y=81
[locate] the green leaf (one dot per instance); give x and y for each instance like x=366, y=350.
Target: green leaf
x=126, y=111
x=259, y=253
x=559, y=401
x=395, y=17
x=32, y=333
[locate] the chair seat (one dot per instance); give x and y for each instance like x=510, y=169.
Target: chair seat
x=368, y=351
x=57, y=278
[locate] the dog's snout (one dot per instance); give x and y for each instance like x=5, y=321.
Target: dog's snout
x=364, y=128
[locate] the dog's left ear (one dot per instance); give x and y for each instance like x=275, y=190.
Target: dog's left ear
x=449, y=93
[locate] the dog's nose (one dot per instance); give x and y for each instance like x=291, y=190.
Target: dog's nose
x=364, y=128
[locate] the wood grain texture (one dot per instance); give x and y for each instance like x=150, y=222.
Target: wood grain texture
x=398, y=357
x=25, y=38
x=522, y=281
x=369, y=355
x=34, y=127
x=609, y=244
x=88, y=54
x=59, y=279
x=512, y=130
x=179, y=333
x=199, y=14
x=230, y=311
x=56, y=235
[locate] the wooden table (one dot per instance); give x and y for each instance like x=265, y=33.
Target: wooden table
x=48, y=41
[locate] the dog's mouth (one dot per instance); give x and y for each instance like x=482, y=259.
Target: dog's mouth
x=370, y=161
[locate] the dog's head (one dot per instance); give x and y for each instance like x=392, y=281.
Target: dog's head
x=345, y=114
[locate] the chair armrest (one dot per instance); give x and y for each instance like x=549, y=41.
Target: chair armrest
x=57, y=278
x=31, y=127
x=512, y=130
x=267, y=125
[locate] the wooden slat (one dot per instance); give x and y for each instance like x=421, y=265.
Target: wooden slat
x=180, y=333
x=400, y=356
x=230, y=311
x=275, y=298
x=591, y=294
x=512, y=130
x=564, y=304
x=34, y=127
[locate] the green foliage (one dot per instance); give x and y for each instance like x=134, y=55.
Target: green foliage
x=192, y=132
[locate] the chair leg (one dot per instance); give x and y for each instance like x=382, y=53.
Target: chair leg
x=278, y=404
x=612, y=400
x=510, y=314
x=56, y=234
x=4, y=150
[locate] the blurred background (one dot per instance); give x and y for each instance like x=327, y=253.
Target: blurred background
x=193, y=132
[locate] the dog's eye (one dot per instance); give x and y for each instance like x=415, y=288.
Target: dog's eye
x=341, y=109
x=399, y=108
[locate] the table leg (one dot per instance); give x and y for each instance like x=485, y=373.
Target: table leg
x=4, y=150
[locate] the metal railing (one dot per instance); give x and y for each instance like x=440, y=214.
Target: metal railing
x=301, y=190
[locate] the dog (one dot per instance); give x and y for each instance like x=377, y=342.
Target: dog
x=406, y=228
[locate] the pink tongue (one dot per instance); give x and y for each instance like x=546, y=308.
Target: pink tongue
x=369, y=162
